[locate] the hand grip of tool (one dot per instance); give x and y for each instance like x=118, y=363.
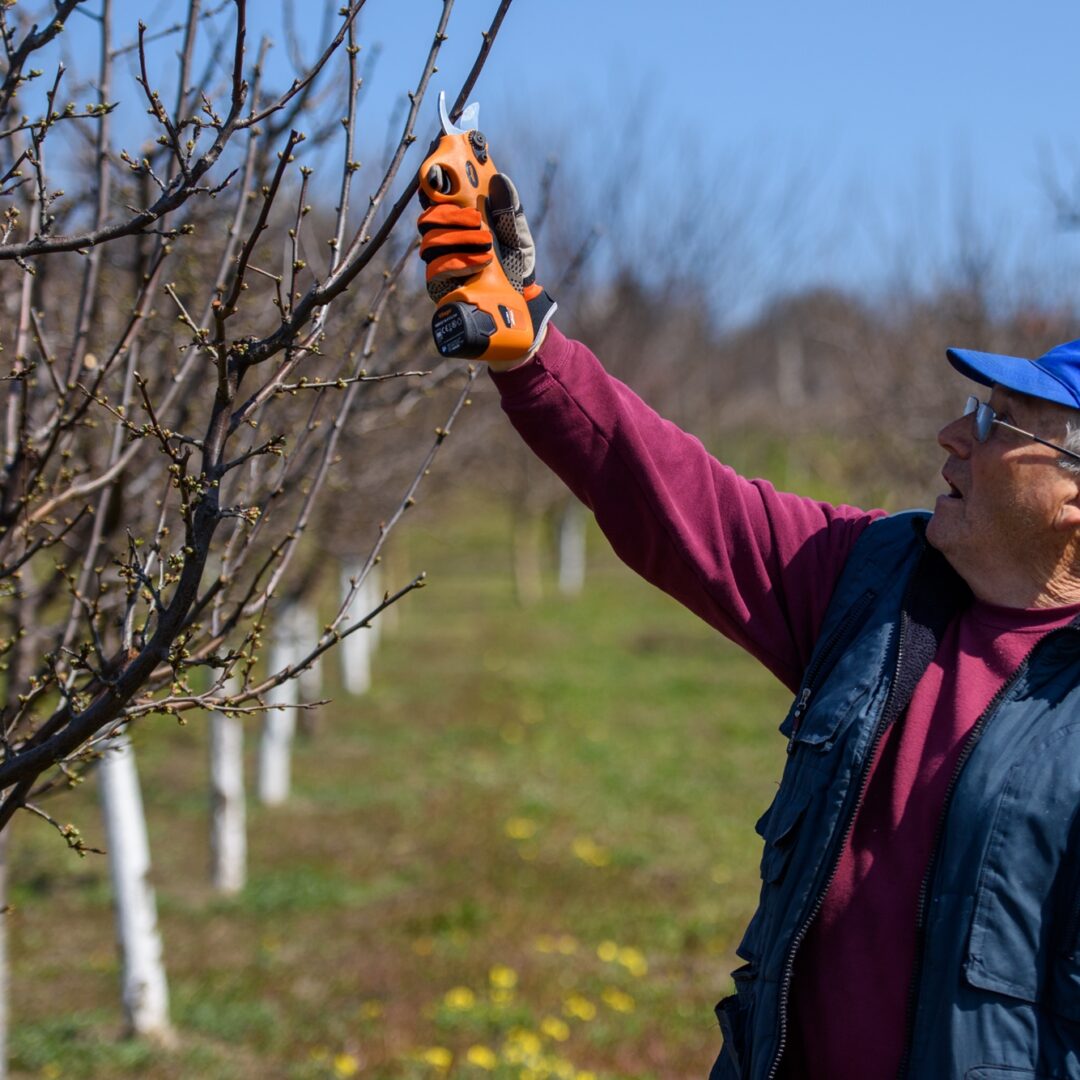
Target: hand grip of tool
x=486, y=317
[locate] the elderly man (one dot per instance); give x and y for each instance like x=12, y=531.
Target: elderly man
x=920, y=900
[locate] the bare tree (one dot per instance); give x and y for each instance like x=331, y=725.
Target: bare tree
x=176, y=388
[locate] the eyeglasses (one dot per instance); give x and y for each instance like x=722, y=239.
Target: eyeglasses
x=985, y=418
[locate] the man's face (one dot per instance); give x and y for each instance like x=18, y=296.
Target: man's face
x=1005, y=495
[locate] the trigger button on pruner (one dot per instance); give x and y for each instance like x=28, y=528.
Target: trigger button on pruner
x=439, y=180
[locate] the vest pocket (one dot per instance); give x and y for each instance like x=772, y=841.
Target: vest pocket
x=1024, y=926
x=778, y=827
x=733, y=1013
x=822, y=715
x=806, y=721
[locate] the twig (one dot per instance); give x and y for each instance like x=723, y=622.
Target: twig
x=340, y=384
x=88, y=291
x=169, y=30
x=441, y=435
x=33, y=41
x=69, y=832
x=351, y=266
x=416, y=97
x=298, y=85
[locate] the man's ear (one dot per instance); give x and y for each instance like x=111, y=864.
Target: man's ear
x=1068, y=516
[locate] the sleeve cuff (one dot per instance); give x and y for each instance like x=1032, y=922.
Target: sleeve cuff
x=528, y=380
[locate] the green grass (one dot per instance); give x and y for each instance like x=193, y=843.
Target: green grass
x=534, y=836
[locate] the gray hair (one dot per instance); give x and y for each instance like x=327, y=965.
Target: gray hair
x=1071, y=442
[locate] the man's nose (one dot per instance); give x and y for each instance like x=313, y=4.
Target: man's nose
x=957, y=436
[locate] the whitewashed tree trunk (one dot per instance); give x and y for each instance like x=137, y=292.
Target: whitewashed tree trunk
x=228, y=811
x=309, y=629
x=359, y=647
x=279, y=722
x=144, y=990
x=572, y=548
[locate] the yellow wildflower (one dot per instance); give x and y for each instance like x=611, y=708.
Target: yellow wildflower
x=585, y=1074
x=554, y=1028
x=618, y=1000
x=438, y=1057
x=567, y=944
x=590, y=852
x=501, y=997
x=371, y=1010
x=50, y=1071
x=460, y=998
x=502, y=977
x=607, y=951
x=525, y=1041
x=579, y=1007
x=345, y=1065
x=633, y=960
x=520, y=828
x=545, y=943
x=482, y=1057
x=319, y=1054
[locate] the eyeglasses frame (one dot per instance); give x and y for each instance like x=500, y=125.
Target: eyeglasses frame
x=986, y=418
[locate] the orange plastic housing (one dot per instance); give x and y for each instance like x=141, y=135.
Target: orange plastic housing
x=467, y=170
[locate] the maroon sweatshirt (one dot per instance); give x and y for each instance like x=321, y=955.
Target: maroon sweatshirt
x=760, y=566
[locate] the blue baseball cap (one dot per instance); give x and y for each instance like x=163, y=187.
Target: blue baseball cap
x=1055, y=376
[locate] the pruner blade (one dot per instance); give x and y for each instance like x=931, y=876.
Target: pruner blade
x=469, y=120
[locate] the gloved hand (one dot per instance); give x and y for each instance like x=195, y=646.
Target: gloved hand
x=457, y=242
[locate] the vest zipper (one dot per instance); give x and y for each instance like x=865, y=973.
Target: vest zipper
x=839, y=635
x=924, y=889
x=838, y=850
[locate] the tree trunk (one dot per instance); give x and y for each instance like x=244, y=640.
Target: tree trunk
x=572, y=548
x=144, y=991
x=279, y=722
x=228, y=826
x=359, y=647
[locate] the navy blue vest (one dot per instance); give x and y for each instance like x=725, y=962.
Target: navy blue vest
x=996, y=991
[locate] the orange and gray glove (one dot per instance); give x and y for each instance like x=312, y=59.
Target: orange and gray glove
x=458, y=242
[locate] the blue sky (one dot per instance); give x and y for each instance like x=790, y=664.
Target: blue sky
x=896, y=114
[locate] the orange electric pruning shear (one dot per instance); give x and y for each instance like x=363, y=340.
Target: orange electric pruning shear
x=486, y=317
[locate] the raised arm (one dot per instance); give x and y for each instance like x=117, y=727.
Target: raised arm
x=757, y=564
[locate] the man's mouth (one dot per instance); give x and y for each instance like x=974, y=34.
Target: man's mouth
x=954, y=492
